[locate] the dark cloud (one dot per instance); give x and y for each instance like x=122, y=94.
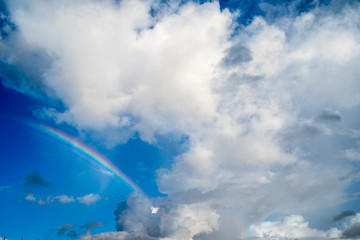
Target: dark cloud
x=352, y=232
x=72, y=234
x=36, y=179
x=344, y=214
x=92, y=225
x=236, y=55
x=64, y=228
x=327, y=116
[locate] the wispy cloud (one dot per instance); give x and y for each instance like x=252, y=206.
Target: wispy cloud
x=91, y=225
x=64, y=228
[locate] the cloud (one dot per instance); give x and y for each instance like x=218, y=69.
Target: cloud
x=91, y=225
x=64, y=199
x=108, y=235
x=353, y=232
x=64, y=228
x=89, y=199
x=30, y=197
x=329, y=117
x=233, y=91
x=352, y=153
x=37, y=180
x=292, y=227
x=343, y=214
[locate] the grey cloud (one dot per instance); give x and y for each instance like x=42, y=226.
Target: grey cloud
x=91, y=225
x=64, y=228
x=344, y=214
x=236, y=55
x=328, y=116
x=37, y=180
x=353, y=232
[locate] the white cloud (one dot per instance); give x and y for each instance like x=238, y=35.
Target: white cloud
x=352, y=154
x=89, y=199
x=248, y=103
x=30, y=197
x=292, y=227
x=64, y=199
x=104, y=236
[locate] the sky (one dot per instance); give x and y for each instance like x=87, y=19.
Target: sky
x=179, y=119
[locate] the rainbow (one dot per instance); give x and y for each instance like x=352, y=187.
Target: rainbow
x=91, y=155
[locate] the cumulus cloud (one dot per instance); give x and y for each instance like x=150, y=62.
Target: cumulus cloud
x=233, y=91
x=89, y=199
x=36, y=179
x=292, y=227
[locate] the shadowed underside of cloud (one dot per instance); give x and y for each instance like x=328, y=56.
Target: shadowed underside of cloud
x=344, y=214
x=233, y=91
x=353, y=232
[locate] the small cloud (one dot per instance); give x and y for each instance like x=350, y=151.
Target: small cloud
x=47, y=201
x=89, y=199
x=352, y=232
x=36, y=179
x=328, y=116
x=92, y=225
x=343, y=214
x=64, y=228
x=352, y=154
x=30, y=197
x=65, y=199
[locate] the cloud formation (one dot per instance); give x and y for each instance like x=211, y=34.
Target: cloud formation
x=64, y=228
x=292, y=227
x=343, y=214
x=353, y=232
x=89, y=199
x=268, y=107
x=91, y=225
x=37, y=180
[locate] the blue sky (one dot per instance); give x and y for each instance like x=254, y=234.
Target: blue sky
x=237, y=119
